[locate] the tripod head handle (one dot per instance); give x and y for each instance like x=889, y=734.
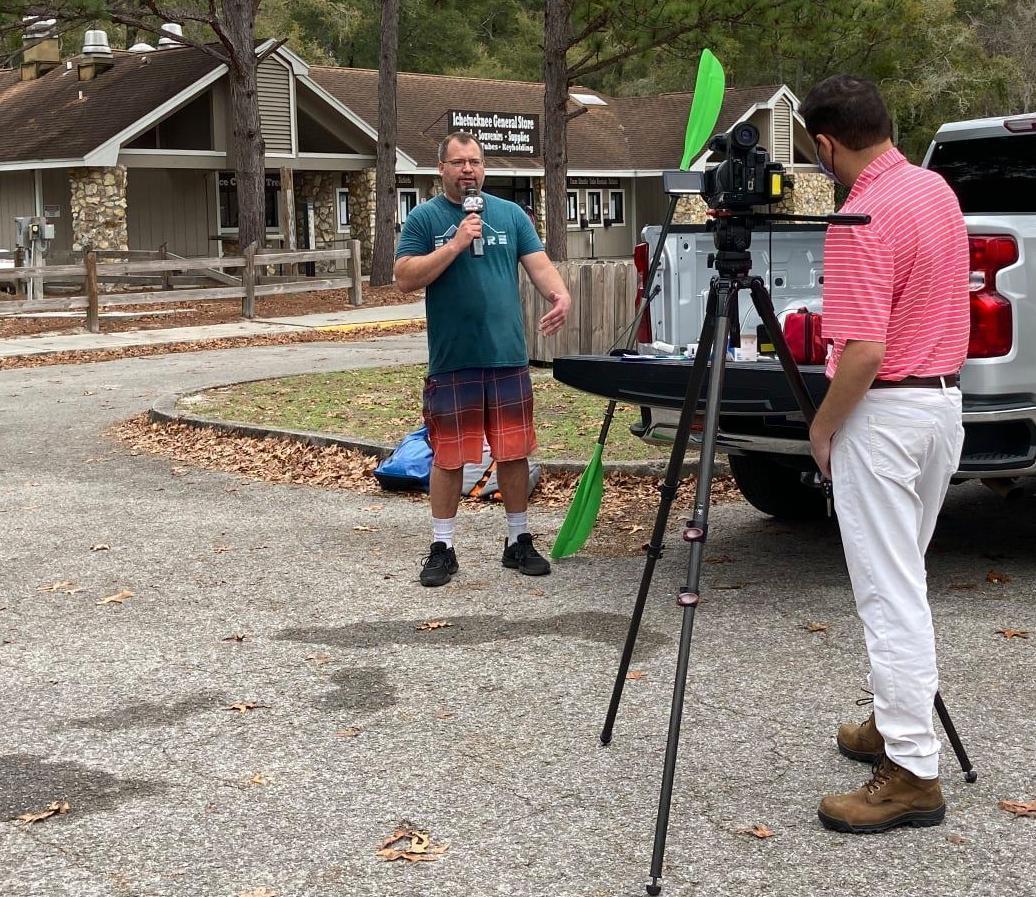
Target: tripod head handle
x=822, y=219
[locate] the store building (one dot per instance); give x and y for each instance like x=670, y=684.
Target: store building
x=130, y=149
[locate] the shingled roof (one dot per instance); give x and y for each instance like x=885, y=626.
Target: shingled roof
x=46, y=119
x=58, y=117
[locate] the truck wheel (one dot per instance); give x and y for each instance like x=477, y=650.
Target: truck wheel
x=775, y=489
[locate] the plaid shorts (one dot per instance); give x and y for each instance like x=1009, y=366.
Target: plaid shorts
x=460, y=407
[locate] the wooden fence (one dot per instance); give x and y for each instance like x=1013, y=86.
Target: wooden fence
x=254, y=280
x=603, y=303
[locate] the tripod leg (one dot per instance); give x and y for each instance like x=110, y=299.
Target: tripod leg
x=970, y=776
x=689, y=597
x=764, y=306
x=668, y=490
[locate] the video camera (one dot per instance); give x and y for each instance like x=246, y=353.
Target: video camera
x=746, y=178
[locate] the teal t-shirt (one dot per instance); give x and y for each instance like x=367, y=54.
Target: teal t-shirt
x=473, y=308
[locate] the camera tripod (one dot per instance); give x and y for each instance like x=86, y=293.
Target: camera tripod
x=733, y=263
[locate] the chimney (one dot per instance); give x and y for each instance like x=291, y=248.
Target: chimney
x=41, y=48
x=97, y=55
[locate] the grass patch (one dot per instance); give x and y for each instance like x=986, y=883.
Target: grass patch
x=384, y=404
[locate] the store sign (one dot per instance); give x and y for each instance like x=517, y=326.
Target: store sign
x=52, y=211
x=592, y=182
x=404, y=180
x=228, y=180
x=500, y=133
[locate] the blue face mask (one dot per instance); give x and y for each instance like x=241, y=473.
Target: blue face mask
x=825, y=171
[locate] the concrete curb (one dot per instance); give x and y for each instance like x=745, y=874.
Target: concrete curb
x=165, y=410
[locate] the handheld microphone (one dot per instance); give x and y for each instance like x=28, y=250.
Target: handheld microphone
x=473, y=202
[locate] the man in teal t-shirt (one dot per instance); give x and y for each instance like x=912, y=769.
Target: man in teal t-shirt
x=478, y=384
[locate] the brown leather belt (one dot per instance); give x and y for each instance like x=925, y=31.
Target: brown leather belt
x=949, y=380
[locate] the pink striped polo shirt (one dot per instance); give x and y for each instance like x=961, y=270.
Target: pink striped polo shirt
x=901, y=280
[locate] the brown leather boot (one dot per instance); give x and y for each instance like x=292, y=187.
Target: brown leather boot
x=894, y=796
x=861, y=742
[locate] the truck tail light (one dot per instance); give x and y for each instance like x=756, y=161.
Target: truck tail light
x=640, y=261
x=991, y=314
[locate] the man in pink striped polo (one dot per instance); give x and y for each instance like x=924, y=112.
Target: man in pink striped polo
x=889, y=432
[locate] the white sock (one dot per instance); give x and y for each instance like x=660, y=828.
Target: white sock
x=442, y=530
x=516, y=525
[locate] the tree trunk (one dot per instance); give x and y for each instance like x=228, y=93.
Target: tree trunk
x=385, y=189
x=555, y=98
x=248, y=146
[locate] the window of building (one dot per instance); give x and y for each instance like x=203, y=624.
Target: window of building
x=228, y=211
x=572, y=213
x=617, y=206
x=407, y=203
x=343, y=209
x=593, y=208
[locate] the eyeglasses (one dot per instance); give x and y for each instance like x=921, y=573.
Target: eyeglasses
x=458, y=164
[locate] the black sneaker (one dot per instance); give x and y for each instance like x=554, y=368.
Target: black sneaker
x=520, y=555
x=439, y=566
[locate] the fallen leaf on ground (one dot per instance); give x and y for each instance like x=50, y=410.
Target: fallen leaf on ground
x=258, y=779
x=414, y=846
x=236, y=637
x=759, y=831
x=1013, y=633
x=816, y=627
x=372, y=508
x=259, y=892
x=955, y=839
x=637, y=528
x=101, y=546
x=719, y=559
x=636, y=675
x=245, y=706
x=429, y=625
x=319, y=659
x=445, y=714
x=117, y=598
x=63, y=586
x=350, y=732
x=56, y=808
x=1018, y=808
x=364, y=529
x=538, y=593
x=995, y=577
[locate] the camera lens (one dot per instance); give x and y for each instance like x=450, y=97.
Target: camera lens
x=745, y=135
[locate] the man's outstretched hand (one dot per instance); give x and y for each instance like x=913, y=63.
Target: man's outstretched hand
x=555, y=319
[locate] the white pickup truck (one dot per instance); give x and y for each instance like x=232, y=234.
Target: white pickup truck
x=991, y=165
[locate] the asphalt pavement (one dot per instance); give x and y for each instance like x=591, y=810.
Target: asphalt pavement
x=482, y=733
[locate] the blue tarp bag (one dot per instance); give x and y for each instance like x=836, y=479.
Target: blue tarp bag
x=409, y=466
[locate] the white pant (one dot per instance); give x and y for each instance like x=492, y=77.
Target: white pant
x=891, y=464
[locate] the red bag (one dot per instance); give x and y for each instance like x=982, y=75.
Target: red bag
x=802, y=331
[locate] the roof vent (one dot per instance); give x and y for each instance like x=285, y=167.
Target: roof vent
x=141, y=47
x=170, y=31
x=37, y=28
x=95, y=43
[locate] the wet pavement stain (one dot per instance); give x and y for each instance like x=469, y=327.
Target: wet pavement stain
x=359, y=688
x=606, y=629
x=147, y=716
x=29, y=783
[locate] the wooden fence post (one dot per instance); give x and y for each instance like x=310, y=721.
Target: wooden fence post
x=248, y=282
x=355, y=272
x=93, y=320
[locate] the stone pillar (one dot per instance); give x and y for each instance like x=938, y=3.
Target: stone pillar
x=689, y=210
x=99, y=208
x=319, y=187
x=539, y=189
x=361, y=213
x=812, y=194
